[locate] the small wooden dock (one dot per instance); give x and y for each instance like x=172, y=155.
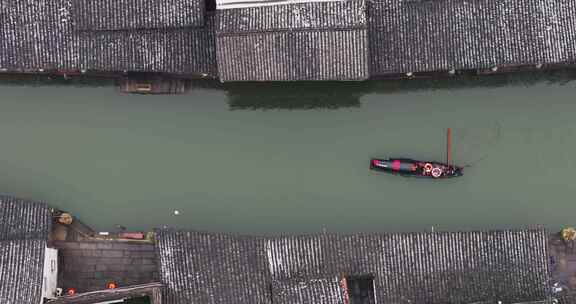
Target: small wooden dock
x=153, y=85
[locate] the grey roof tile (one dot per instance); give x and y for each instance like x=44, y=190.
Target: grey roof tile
x=291, y=42
x=22, y=219
x=24, y=228
x=315, y=290
x=180, y=51
x=313, y=15
x=257, y=43
x=459, y=267
x=206, y=268
x=137, y=14
x=21, y=271
x=41, y=34
x=292, y=56
x=35, y=35
x=422, y=35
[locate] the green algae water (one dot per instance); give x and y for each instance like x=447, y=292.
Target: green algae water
x=272, y=158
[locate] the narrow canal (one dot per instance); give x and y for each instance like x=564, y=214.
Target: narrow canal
x=227, y=164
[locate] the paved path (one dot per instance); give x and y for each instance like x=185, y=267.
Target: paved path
x=89, y=265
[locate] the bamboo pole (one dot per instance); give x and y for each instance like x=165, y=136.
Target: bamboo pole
x=449, y=146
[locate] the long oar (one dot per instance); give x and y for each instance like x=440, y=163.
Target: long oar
x=449, y=146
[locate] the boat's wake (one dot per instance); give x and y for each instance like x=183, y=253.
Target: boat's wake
x=487, y=144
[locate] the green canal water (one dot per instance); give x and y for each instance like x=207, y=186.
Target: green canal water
x=273, y=158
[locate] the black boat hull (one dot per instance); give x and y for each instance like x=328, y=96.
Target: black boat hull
x=415, y=168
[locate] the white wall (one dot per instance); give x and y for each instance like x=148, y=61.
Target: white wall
x=50, y=277
x=229, y=4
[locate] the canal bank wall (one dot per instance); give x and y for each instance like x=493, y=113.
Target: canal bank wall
x=254, y=95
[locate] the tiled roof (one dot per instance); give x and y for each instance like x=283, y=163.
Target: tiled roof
x=41, y=34
x=21, y=271
x=22, y=219
x=140, y=14
x=293, y=56
x=461, y=267
x=317, y=291
x=24, y=228
x=440, y=35
x=180, y=51
x=286, y=40
x=35, y=34
x=230, y=4
x=212, y=269
x=314, y=15
x=434, y=268
x=304, y=41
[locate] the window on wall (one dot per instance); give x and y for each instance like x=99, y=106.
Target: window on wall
x=140, y=300
x=361, y=289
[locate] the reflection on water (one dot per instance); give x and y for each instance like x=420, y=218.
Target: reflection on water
x=307, y=95
x=335, y=95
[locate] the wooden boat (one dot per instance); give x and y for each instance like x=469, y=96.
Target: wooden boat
x=418, y=168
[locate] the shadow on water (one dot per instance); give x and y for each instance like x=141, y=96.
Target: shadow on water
x=300, y=95
x=560, y=77
x=334, y=95
x=320, y=95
